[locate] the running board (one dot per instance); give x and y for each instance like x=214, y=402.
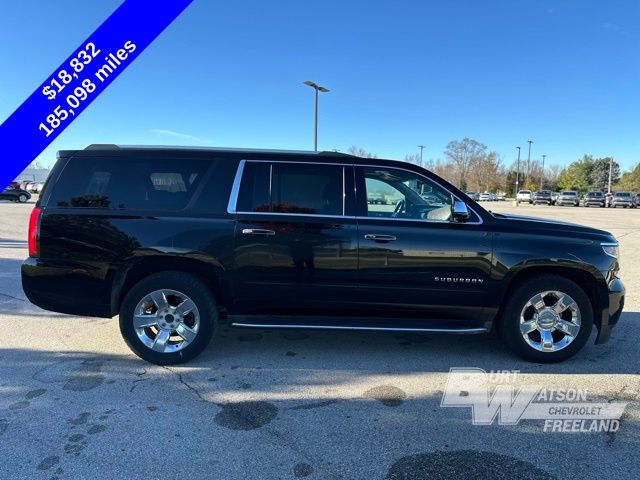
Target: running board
x=354, y=324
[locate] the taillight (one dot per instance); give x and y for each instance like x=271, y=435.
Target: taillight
x=34, y=233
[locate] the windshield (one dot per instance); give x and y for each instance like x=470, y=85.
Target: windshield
x=570, y=194
x=595, y=194
x=623, y=194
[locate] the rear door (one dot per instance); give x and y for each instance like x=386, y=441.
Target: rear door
x=413, y=258
x=295, y=242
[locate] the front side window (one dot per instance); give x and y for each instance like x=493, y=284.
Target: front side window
x=300, y=188
x=393, y=193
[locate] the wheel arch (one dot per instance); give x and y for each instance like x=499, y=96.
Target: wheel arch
x=207, y=270
x=594, y=287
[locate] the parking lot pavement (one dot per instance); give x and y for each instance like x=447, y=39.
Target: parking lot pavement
x=74, y=403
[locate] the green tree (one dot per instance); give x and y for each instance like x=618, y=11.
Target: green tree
x=599, y=174
x=630, y=181
x=576, y=176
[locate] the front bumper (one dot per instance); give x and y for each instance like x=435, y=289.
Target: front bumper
x=612, y=313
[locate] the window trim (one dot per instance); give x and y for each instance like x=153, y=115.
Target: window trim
x=424, y=220
x=233, y=197
x=237, y=181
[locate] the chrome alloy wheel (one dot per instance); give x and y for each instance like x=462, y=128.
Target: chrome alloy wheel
x=166, y=321
x=550, y=321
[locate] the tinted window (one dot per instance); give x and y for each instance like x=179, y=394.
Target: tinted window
x=291, y=188
x=395, y=193
x=131, y=184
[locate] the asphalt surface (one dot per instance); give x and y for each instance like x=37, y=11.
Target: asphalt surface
x=76, y=404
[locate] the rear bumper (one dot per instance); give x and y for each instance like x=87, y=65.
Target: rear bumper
x=65, y=288
x=612, y=313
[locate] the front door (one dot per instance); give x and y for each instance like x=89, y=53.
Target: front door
x=295, y=249
x=412, y=256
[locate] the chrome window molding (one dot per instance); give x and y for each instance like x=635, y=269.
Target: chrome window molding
x=233, y=197
x=479, y=222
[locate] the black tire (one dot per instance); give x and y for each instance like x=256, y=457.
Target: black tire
x=182, y=282
x=509, y=323
x=23, y=198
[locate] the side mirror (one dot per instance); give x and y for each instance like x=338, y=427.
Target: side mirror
x=459, y=211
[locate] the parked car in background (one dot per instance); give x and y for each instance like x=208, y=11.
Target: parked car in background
x=554, y=197
x=570, y=197
x=594, y=199
x=15, y=195
x=473, y=195
x=485, y=197
x=622, y=199
x=524, y=196
x=541, y=196
x=500, y=198
x=14, y=185
x=636, y=200
x=177, y=241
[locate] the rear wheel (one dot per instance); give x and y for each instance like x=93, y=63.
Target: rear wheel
x=168, y=318
x=547, y=320
x=23, y=198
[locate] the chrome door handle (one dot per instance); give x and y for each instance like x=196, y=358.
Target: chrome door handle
x=258, y=231
x=379, y=238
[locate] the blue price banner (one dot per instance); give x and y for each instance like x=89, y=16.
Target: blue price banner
x=80, y=79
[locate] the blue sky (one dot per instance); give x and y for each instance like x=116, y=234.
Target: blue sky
x=401, y=73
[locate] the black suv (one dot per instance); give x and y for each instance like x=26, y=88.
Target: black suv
x=594, y=198
x=177, y=240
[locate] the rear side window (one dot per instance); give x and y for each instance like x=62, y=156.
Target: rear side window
x=291, y=188
x=132, y=184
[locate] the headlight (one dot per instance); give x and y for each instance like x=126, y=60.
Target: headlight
x=611, y=249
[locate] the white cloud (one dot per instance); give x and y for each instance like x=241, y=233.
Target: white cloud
x=179, y=135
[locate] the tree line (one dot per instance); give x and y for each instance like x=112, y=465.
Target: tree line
x=471, y=166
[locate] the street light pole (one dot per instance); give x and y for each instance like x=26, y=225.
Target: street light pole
x=316, y=88
x=542, y=175
x=421, y=147
x=529, y=158
x=610, y=169
x=518, y=174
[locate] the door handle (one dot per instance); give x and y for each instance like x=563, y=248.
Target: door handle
x=258, y=231
x=379, y=238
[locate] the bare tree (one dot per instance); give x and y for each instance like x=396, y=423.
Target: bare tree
x=413, y=158
x=485, y=173
x=462, y=153
x=360, y=152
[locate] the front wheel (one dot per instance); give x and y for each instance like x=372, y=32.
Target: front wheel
x=546, y=320
x=23, y=198
x=168, y=318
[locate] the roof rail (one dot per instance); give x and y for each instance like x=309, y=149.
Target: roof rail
x=102, y=146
